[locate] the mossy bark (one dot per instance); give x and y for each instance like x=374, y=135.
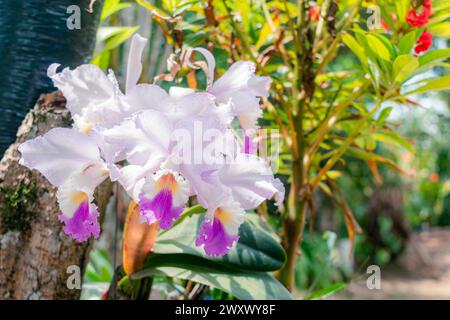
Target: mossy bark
x=34, y=251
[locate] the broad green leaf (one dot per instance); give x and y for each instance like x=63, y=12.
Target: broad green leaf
x=436, y=84
x=379, y=47
x=387, y=43
x=404, y=66
x=244, y=285
x=407, y=42
x=256, y=250
x=435, y=55
x=353, y=45
x=326, y=292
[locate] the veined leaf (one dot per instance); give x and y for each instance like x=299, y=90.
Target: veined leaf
x=257, y=248
x=241, y=284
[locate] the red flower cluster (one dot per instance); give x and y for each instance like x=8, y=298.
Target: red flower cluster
x=314, y=13
x=424, y=43
x=417, y=19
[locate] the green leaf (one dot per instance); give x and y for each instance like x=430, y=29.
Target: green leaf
x=402, y=6
x=152, y=8
x=407, y=43
x=404, y=66
x=435, y=55
x=353, y=45
x=364, y=155
x=387, y=43
x=436, y=84
x=326, y=292
x=112, y=6
x=257, y=248
x=393, y=138
x=384, y=114
x=244, y=285
x=441, y=29
x=114, y=37
x=379, y=47
x=99, y=268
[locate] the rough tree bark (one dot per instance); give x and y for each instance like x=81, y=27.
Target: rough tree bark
x=34, y=251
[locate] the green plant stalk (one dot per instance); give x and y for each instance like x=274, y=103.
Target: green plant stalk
x=239, y=34
x=294, y=222
x=343, y=148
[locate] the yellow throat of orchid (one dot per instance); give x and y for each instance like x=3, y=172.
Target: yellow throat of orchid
x=167, y=181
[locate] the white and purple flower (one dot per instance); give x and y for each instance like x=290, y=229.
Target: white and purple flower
x=138, y=138
x=71, y=161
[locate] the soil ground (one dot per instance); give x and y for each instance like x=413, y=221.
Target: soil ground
x=422, y=272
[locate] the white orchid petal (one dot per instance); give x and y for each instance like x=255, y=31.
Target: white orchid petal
x=210, y=61
x=83, y=87
x=134, y=65
x=251, y=181
x=59, y=153
x=234, y=79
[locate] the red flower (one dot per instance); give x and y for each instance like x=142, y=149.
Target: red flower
x=427, y=4
x=314, y=13
x=419, y=19
x=424, y=43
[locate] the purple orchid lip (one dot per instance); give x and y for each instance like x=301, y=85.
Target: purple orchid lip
x=160, y=208
x=249, y=146
x=83, y=223
x=216, y=241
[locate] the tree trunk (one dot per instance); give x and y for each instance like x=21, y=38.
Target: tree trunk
x=35, y=253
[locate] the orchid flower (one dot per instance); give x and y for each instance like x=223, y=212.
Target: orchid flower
x=71, y=161
x=226, y=191
x=146, y=140
x=92, y=97
x=238, y=85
